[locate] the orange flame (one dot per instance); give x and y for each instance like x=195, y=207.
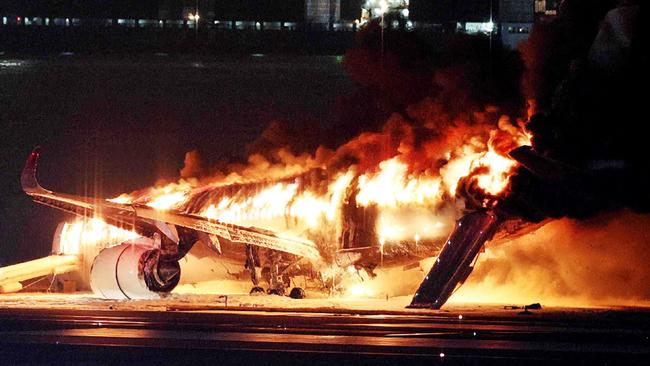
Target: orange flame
x=406, y=189
x=392, y=186
x=80, y=234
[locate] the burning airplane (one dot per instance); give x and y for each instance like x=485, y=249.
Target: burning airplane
x=384, y=199
x=324, y=220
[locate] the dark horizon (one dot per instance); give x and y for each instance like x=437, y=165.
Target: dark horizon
x=113, y=125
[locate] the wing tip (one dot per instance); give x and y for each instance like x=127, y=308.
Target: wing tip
x=28, y=179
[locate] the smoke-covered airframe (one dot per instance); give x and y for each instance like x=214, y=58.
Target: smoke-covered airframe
x=148, y=266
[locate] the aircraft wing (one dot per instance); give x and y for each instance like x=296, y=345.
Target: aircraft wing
x=140, y=217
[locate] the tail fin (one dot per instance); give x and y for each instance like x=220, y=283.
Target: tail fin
x=28, y=177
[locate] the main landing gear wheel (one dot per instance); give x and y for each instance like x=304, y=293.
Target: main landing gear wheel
x=297, y=293
x=277, y=291
x=257, y=290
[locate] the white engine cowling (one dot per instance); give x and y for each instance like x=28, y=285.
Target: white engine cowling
x=132, y=270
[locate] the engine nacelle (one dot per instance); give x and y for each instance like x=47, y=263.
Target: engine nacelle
x=133, y=270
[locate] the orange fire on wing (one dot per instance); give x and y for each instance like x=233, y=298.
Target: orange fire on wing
x=163, y=198
x=281, y=200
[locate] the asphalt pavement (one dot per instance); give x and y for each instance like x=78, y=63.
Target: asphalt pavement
x=275, y=337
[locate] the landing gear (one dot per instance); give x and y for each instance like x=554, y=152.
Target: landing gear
x=277, y=291
x=279, y=281
x=252, y=261
x=276, y=282
x=297, y=293
x=257, y=290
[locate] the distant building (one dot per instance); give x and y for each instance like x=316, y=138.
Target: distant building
x=238, y=14
x=450, y=12
x=71, y=12
x=258, y=14
x=516, y=18
x=511, y=20
x=88, y=9
x=546, y=7
x=174, y=11
x=322, y=11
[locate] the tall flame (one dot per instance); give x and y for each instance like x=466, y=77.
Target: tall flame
x=406, y=194
x=392, y=186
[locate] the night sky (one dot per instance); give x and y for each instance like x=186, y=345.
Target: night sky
x=109, y=125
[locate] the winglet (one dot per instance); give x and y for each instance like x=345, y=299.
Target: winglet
x=28, y=177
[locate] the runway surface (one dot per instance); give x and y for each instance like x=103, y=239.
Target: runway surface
x=182, y=336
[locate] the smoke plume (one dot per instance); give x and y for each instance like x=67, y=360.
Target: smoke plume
x=601, y=261
x=584, y=73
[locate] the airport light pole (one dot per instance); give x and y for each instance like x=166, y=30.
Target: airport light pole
x=195, y=17
x=383, y=8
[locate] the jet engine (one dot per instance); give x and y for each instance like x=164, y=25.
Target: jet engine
x=133, y=270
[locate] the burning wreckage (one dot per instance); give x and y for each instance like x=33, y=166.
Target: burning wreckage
x=385, y=199
x=340, y=222
x=146, y=263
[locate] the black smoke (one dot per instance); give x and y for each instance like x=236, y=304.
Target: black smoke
x=586, y=75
